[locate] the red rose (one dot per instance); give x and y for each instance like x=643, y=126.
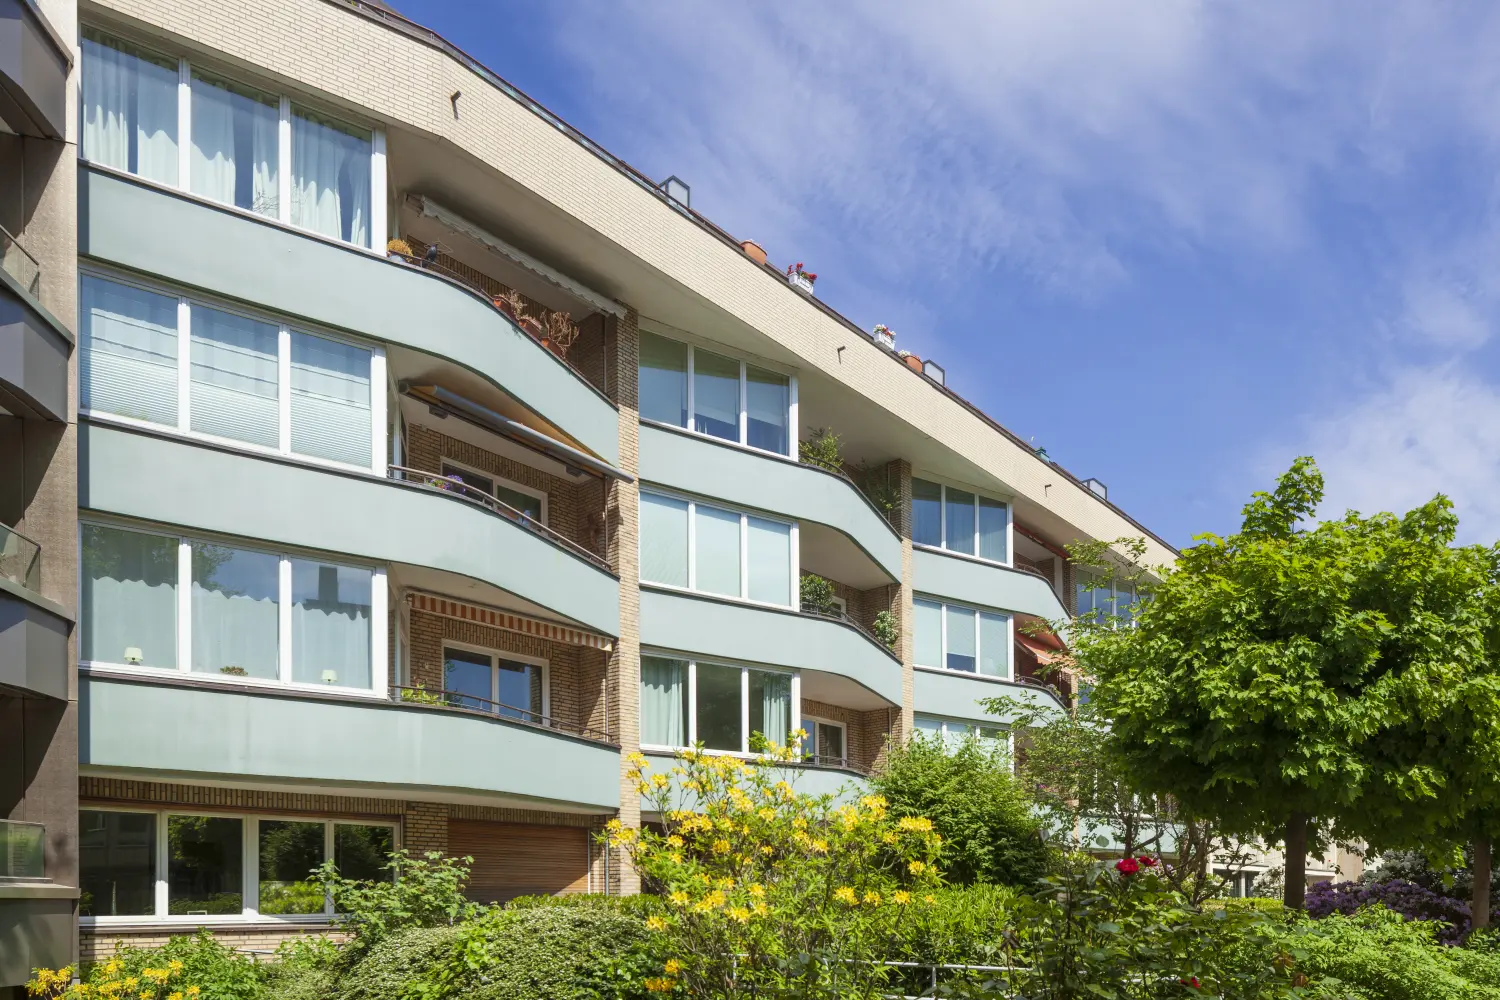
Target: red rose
x=1127, y=866
x=1193, y=982
x=1148, y=862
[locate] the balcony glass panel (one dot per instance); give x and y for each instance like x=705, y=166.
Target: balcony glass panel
x=20, y=559
x=205, y=859
x=330, y=623
x=768, y=398
x=236, y=594
x=129, y=108
x=663, y=380
x=116, y=864
x=128, y=365
x=926, y=512
x=21, y=851
x=234, y=377
x=129, y=606
x=289, y=851
x=716, y=395
x=235, y=136
x=331, y=177
x=664, y=540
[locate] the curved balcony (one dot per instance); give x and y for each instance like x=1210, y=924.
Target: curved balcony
x=806, y=779
x=171, y=480
x=182, y=239
x=986, y=584
x=713, y=469
x=752, y=633
x=149, y=727
x=956, y=696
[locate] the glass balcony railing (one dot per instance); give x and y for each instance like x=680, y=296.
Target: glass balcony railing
x=21, y=850
x=18, y=263
x=20, y=559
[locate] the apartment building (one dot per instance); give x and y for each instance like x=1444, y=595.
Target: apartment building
x=429, y=459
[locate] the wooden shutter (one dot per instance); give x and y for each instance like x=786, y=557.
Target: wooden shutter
x=517, y=859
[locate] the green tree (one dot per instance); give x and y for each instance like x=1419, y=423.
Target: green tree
x=1289, y=679
x=990, y=833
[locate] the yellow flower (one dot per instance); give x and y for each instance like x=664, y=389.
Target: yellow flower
x=131, y=982
x=193, y=991
x=678, y=898
x=656, y=985
x=873, y=898
x=175, y=966
x=672, y=967
x=820, y=846
x=766, y=813
x=928, y=899
x=761, y=909
x=845, y=894
x=874, y=802
x=655, y=924
x=674, y=841
x=726, y=883
x=148, y=995
x=901, y=897
x=721, y=847
x=660, y=782
x=767, y=849
x=917, y=867
x=613, y=825
x=758, y=891
x=739, y=914
x=636, y=759
x=175, y=996
x=915, y=824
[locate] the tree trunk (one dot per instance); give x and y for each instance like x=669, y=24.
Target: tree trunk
x=1296, y=861
x=1479, y=907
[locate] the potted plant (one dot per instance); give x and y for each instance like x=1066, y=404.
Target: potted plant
x=510, y=303
x=754, y=251
x=559, y=334
x=800, y=279
x=912, y=361
x=398, y=249
x=884, y=336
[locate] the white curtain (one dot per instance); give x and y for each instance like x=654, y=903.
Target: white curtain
x=992, y=521
x=234, y=377
x=129, y=110
x=330, y=624
x=994, y=645
x=775, y=705
x=663, y=702
x=129, y=592
x=234, y=155
x=128, y=365
x=330, y=178
x=331, y=399
x=769, y=547
x=236, y=597
x=928, y=633
x=664, y=540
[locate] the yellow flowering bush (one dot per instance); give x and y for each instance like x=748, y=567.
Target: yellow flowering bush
x=113, y=980
x=185, y=968
x=770, y=891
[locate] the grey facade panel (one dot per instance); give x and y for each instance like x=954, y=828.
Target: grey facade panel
x=987, y=585
x=957, y=696
x=196, y=486
x=34, y=354
x=383, y=748
x=697, y=465
x=34, y=934
x=34, y=65
x=33, y=649
x=183, y=240
x=746, y=633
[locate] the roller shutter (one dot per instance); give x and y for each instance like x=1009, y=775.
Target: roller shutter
x=518, y=859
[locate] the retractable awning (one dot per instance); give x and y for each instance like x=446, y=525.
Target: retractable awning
x=508, y=621
x=482, y=416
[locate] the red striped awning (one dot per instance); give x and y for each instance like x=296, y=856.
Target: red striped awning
x=508, y=621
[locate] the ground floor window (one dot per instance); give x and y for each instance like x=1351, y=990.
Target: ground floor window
x=180, y=865
x=724, y=707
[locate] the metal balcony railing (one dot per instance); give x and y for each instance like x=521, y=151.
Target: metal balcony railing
x=460, y=490
x=839, y=616
x=21, y=850
x=823, y=760
x=459, y=701
x=18, y=262
x=20, y=559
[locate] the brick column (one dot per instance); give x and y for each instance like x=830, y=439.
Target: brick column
x=901, y=604
x=623, y=516
x=424, y=827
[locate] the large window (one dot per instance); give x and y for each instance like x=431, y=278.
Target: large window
x=532, y=503
x=953, y=732
x=960, y=521
x=177, y=865
x=169, y=360
x=1104, y=599
x=497, y=683
x=159, y=601
x=689, y=544
x=709, y=393
x=686, y=702
x=951, y=637
x=168, y=121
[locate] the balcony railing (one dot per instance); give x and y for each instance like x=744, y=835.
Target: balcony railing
x=20, y=559
x=21, y=850
x=458, y=701
x=18, y=263
x=835, y=614
x=463, y=491
x=823, y=760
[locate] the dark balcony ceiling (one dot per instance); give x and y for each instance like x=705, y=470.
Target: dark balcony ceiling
x=34, y=64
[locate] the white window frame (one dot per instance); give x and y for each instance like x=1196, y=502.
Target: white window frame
x=379, y=611
x=744, y=669
x=842, y=727
x=743, y=439
x=499, y=480
x=794, y=578
x=249, y=865
x=1111, y=589
x=285, y=330
x=971, y=727
x=1010, y=639
x=1010, y=539
x=498, y=654
x=378, y=208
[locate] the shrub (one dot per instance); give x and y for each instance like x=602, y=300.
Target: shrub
x=386, y=969
x=422, y=892
x=989, y=831
x=822, y=450
x=817, y=593
x=1411, y=901
x=963, y=926
x=188, y=966
x=1386, y=957
x=886, y=629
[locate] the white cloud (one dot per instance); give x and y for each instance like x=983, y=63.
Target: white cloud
x=1429, y=430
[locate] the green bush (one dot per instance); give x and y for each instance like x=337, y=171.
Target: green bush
x=217, y=970
x=390, y=967
x=817, y=593
x=962, y=926
x=1385, y=957
x=421, y=892
x=990, y=833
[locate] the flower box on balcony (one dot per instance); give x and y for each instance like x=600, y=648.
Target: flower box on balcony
x=800, y=279
x=884, y=336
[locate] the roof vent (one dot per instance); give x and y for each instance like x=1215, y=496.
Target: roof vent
x=1097, y=488
x=676, y=188
x=934, y=371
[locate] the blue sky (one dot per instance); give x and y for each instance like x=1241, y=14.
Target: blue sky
x=1177, y=243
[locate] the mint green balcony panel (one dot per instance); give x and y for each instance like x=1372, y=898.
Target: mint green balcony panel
x=184, y=241
x=987, y=585
x=207, y=488
x=957, y=696
x=847, y=785
x=685, y=462
x=201, y=734
x=745, y=633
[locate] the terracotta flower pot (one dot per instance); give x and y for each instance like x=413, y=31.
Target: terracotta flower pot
x=754, y=251
x=913, y=362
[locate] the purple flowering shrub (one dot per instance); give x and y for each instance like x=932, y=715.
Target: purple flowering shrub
x=1412, y=901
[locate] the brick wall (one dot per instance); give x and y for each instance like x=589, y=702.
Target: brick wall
x=261, y=938
x=901, y=605
x=623, y=517
x=865, y=733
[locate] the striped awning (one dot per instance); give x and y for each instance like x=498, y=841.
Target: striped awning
x=509, y=621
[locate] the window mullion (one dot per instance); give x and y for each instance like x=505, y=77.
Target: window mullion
x=284, y=387
x=328, y=847
x=250, y=864
x=284, y=162
x=184, y=364
x=692, y=680
x=380, y=652
x=942, y=516
x=184, y=124
x=943, y=631
x=184, y=605
x=692, y=526
x=744, y=710
x=284, y=619
x=163, y=825
x=744, y=556
x=378, y=399
x=691, y=402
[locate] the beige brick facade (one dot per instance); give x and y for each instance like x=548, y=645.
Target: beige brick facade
x=623, y=353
